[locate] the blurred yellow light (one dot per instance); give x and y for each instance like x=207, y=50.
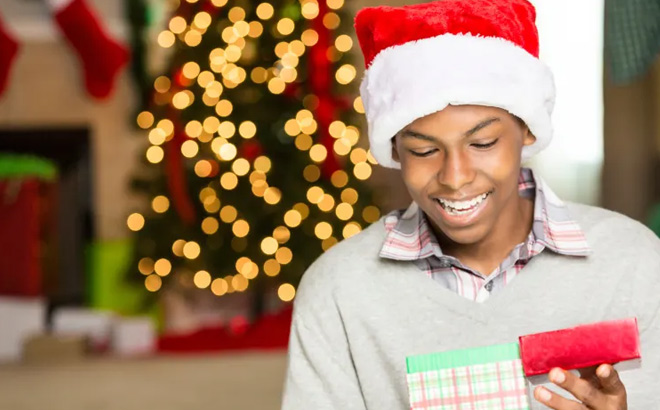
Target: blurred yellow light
x=228, y=214
x=283, y=255
x=344, y=43
x=202, y=19
x=297, y=47
x=217, y=55
x=328, y=243
x=290, y=60
x=239, y=283
x=371, y=158
x=163, y=267
x=157, y=136
x=228, y=279
x=370, y=214
x=286, y=292
x=145, y=119
x=255, y=29
x=282, y=234
x=160, y=204
x=276, y=85
x=358, y=106
x=311, y=173
x=345, y=74
x=212, y=205
x=167, y=126
x=227, y=129
x=219, y=287
x=285, y=26
x=205, y=78
x=326, y=203
x=309, y=37
x=146, y=266
x=259, y=75
x=192, y=38
x=210, y=225
x=162, y=84
x=224, y=108
x=344, y=211
x=155, y=154
x=211, y=124
x=303, y=142
x=181, y=100
x=177, y=247
x=229, y=36
x=271, y=267
x=236, y=14
x=358, y=155
x=331, y=21
x=310, y=10
x=229, y=181
x=265, y=11
x=342, y=146
x=203, y=168
x=219, y=3
x=214, y=89
x=135, y=222
x=292, y=218
x=166, y=39
x=351, y=228
x=352, y=134
x=194, y=129
x=318, y=153
x=247, y=129
x=241, y=166
x=178, y=24
x=335, y=4
x=288, y=74
x=228, y=152
x=240, y=228
x=153, y=283
x=262, y=164
x=249, y=270
x=202, y=279
x=233, y=53
x=207, y=192
x=272, y=195
x=303, y=209
x=259, y=188
x=281, y=49
x=309, y=126
x=362, y=171
x=189, y=148
x=191, y=250
x=269, y=245
x=349, y=195
x=315, y=194
x=241, y=262
x=323, y=230
x=257, y=176
x=337, y=129
x=339, y=178
x=191, y=70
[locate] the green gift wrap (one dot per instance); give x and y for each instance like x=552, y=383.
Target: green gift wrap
x=484, y=378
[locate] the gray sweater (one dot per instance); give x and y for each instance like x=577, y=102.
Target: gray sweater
x=357, y=316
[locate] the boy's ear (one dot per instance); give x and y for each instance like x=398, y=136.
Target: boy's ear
x=528, y=138
x=395, y=152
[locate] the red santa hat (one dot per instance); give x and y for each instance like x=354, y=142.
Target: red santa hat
x=423, y=57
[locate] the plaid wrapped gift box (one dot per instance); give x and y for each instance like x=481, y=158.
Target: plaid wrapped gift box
x=485, y=378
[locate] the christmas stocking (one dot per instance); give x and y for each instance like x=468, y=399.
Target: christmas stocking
x=8, y=51
x=102, y=57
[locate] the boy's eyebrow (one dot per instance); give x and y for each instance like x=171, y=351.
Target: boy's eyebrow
x=483, y=124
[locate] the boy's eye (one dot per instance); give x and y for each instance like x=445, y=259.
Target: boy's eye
x=423, y=153
x=484, y=146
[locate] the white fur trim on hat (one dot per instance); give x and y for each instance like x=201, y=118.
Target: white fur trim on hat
x=419, y=78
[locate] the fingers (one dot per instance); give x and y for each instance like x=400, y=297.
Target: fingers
x=555, y=401
x=609, y=380
x=583, y=390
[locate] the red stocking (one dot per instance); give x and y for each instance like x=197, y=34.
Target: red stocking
x=8, y=51
x=102, y=57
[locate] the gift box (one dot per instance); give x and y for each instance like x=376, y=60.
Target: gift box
x=20, y=318
x=134, y=336
x=581, y=346
x=485, y=378
x=95, y=326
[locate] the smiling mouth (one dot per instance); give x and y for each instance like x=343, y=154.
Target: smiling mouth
x=462, y=207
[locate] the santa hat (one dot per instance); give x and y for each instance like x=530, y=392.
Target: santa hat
x=423, y=57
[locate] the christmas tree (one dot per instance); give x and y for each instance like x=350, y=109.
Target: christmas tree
x=253, y=167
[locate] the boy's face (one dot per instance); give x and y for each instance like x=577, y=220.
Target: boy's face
x=461, y=166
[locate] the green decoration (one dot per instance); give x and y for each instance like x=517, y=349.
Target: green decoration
x=26, y=166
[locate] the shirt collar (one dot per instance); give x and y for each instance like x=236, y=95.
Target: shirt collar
x=410, y=237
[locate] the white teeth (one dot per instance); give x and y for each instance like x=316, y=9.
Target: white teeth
x=461, y=207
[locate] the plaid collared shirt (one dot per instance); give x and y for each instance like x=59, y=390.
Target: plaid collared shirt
x=411, y=238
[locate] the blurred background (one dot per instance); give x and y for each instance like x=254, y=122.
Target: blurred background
x=169, y=168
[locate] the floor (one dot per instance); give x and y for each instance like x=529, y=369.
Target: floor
x=232, y=382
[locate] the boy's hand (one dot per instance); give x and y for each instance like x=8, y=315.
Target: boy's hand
x=596, y=388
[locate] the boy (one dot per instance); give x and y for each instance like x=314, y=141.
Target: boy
x=456, y=97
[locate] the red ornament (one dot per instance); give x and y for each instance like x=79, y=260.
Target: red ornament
x=250, y=150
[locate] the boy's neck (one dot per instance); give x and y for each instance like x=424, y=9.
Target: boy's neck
x=485, y=256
